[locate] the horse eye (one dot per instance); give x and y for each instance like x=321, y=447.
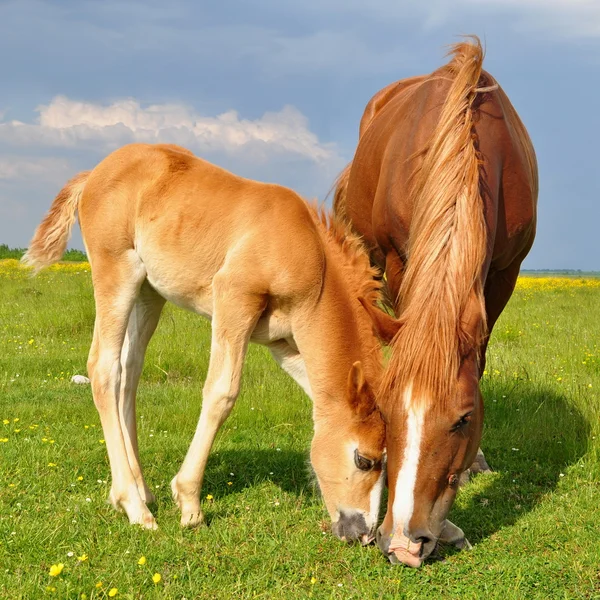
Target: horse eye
x=362, y=462
x=462, y=422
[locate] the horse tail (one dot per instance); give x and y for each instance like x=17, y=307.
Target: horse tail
x=50, y=239
x=442, y=287
x=339, y=196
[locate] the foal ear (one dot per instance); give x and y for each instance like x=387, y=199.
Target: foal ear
x=360, y=393
x=385, y=326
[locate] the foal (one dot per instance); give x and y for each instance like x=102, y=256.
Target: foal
x=160, y=224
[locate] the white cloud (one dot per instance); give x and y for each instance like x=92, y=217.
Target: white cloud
x=22, y=168
x=68, y=123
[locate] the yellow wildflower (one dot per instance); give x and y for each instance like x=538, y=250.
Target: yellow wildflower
x=209, y=497
x=142, y=560
x=99, y=585
x=113, y=592
x=6, y=421
x=80, y=478
x=51, y=464
x=82, y=558
x=313, y=580
x=156, y=578
x=56, y=570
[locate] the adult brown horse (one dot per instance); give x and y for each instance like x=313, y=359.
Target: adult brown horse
x=443, y=188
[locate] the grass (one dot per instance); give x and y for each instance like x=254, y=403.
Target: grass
x=70, y=255
x=533, y=522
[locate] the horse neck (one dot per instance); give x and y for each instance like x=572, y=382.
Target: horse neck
x=334, y=333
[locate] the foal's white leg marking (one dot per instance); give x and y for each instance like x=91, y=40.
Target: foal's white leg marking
x=292, y=363
x=405, y=484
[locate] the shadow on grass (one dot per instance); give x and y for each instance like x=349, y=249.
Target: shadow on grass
x=532, y=435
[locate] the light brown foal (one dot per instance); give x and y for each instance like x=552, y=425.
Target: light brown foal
x=160, y=224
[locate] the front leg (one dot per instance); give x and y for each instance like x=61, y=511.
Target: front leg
x=234, y=318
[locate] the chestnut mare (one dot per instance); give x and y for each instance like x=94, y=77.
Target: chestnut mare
x=443, y=188
x=160, y=224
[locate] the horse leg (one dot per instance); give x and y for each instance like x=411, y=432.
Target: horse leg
x=235, y=314
x=499, y=287
x=143, y=320
x=292, y=363
x=117, y=283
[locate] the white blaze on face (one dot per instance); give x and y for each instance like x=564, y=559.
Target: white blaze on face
x=404, y=496
x=375, y=500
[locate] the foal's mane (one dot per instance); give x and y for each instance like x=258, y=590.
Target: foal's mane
x=442, y=306
x=360, y=277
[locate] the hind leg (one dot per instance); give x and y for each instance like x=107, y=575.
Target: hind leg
x=235, y=315
x=117, y=282
x=143, y=320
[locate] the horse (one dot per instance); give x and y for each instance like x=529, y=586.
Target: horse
x=160, y=224
x=443, y=190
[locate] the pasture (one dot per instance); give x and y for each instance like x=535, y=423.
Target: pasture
x=533, y=523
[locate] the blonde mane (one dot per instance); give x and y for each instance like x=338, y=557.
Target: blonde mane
x=361, y=277
x=441, y=296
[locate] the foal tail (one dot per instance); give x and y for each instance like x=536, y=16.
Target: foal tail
x=50, y=239
x=339, y=196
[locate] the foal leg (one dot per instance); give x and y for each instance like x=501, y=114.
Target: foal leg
x=292, y=363
x=143, y=320
x=116, y=285
x=235, y=315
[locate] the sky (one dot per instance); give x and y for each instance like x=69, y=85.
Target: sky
x=275, y=90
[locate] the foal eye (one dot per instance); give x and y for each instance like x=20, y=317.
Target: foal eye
x=362, y=462
x=462, y=422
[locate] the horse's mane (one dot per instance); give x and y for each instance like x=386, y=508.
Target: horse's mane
x=350, y=253
x=441, y=299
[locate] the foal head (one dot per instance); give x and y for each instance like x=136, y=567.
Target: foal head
x=348, y=447
x=347, y=455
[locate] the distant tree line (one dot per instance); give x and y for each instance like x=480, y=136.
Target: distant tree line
x=71, y=255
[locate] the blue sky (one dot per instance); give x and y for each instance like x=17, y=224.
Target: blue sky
x=274, y=90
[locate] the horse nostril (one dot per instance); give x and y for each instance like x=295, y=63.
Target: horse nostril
x=421, y=536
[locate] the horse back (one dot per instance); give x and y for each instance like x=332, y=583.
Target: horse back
x=188, y=219
x=399, y=123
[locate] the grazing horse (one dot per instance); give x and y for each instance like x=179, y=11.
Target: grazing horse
x=160, y=224
x=443, y=188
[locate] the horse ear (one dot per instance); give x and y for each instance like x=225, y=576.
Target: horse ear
x=385, y=326
x=360, y=393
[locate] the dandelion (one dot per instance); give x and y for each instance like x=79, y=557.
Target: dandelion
x=230, y=483
x=82, y=558
x=99, y=585
x=56, y=570
x=4, y=440
x=16, y=420
x=209, y=497
x=142, y=560
x=156, y=578
x=51, y=464
x=313, y=580
x=80, y=478
x=6, y=421
x=113, y=592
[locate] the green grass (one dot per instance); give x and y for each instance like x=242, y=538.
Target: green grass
x=533, y=523
x=70, y=255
